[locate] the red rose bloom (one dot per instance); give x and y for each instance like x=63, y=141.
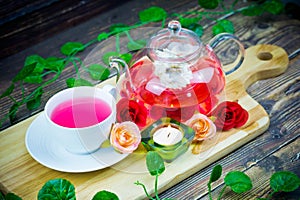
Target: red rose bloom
x=130, y=110
x=229, y=115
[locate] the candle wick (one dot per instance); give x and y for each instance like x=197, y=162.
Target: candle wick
x=169, y=134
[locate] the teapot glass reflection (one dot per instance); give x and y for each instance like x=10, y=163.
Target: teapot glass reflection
x=175, y=76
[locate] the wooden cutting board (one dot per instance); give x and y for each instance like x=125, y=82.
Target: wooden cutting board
x=22, y=175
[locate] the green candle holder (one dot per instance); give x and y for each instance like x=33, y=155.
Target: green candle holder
x=167, y=152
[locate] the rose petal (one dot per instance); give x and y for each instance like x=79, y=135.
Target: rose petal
x=125, y=137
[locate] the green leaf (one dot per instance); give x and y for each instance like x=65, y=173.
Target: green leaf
x=40, y=63
x=186, y=22
x=35, y=79
x=24, y=72
x=255, y=10
x=98, y=72
x=13, y=111
x=35, y=102
x=55, y=63
x=216, y=173
x=155, y=163
x=105, y=195
x=208, y=4
x=152, y=14
x=107, y=55
x=72, y=82
x=118, y=28
x=238, y=181
x=126, y=57
x=223, y=26
x=197, y=28
x=57, y=189
x=12, y=196
x=136, y=45
x=274, y=7
x=8, y=91
x=70, y=47
x=102, y=36
x=284, y=181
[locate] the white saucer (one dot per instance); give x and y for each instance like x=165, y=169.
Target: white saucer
x=49, y=153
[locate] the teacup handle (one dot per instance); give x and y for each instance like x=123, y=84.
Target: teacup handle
x=227, y=36
x=111, y=90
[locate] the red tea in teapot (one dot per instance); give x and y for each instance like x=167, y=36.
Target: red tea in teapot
x=176, y=76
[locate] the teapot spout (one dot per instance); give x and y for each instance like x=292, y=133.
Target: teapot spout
x=121, y=67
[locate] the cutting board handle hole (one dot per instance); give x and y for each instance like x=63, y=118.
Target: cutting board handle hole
x=265, y=56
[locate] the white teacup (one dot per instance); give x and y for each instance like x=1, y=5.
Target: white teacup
x=86, y=126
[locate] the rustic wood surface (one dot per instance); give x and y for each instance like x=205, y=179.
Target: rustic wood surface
x=133, y=167
x=276, y=149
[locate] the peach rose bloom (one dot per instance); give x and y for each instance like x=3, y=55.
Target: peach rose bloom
x=125, y=137
x=204, y=127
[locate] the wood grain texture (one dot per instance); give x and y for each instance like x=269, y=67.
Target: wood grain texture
x=50, y=46
x=279, y=96
x=21, y=166
x=25, y=23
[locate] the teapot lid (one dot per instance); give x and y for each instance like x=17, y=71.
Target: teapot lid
x=174, y=44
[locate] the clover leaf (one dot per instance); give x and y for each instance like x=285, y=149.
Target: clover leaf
x=155, y=163
x=152, y=14
x=54, y=63
x=102, y=36
x=238, y=181
x=208, y=4
x=274, y=6
x=24, y=72
x=216, y=173
x=284, y=181
x=223, y=26
x=10, y=196
x=8, y=91
x=197, y=28
x=107, y=55
x=136, y=45
x=98, y=72
x=57, y=189
x=71, y=47
x=254, y=10
x=35, y=102
x=72, y=82
x=118, y=28
x=34, y=78
x=40, y=63
x=105, y=195
x=186, y=22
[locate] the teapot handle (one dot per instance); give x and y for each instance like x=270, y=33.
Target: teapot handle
x=227, y=36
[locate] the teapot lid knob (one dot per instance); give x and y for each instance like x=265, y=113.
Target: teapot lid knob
x=174, y=27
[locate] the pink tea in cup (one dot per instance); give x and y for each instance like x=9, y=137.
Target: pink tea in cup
x=80, y=112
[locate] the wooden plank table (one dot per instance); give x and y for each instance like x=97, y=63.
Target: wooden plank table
x=276, y=149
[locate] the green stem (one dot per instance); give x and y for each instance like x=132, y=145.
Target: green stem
x=145, y=190
x=209, y=190
x=155, y=188
x=25, y=100
x=118, y=43
x=90, y=43
x=221, y=193
x=129, y=37
x=11, y=98
x=23, y=89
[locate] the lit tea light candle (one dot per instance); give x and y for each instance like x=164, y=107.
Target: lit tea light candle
x=167, y=136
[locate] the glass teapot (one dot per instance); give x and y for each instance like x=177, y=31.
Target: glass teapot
x=175, y=76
